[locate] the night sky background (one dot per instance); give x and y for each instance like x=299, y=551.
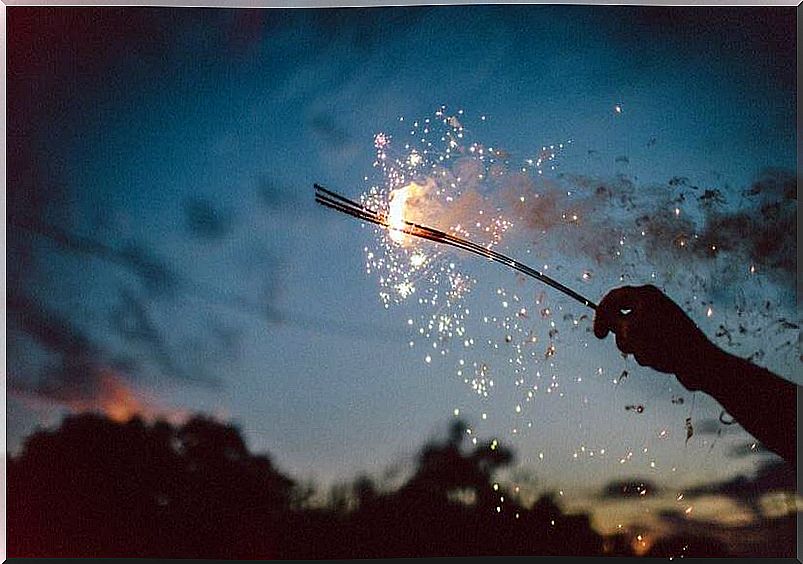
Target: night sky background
x=166, y=255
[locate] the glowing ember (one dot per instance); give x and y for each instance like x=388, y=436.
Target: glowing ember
x=399, y=202
x=398, y=198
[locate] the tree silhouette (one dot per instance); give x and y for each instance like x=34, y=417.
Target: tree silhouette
x=98, y=487
x=424, y=517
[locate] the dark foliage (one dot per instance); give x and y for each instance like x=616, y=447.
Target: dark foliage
x=94, y=487
x=99, y=488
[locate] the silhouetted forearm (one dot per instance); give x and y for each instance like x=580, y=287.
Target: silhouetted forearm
x=763, y=403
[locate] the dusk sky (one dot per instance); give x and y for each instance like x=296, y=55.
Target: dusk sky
x=166, y=254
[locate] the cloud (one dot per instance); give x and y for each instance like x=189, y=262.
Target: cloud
x=89, y=387
x=153, y=272
x=711, y=426
x=207, y=221
x=771, y=476
x=133, y=321
x=276, y=195
x=52, y=331
x=325, y=127
x=629, y=488
x=83, y=378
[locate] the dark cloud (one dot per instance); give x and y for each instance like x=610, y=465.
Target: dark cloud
x=206, y=220
x=133, y=321
x=82, y=385
x=48, y=328
x=711, y=426
x=629, y=488
x=154, y=273
x=771, y=476
x=326, y=128
x=274, y=194
x=85, y=369
x=81, y=379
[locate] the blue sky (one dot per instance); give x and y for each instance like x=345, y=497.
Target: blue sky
x=193, y=137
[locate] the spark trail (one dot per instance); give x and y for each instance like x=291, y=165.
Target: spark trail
x=344, y=205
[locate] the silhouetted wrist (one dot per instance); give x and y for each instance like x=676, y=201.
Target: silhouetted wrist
x=705, y=367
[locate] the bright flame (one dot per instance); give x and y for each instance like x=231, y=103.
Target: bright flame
x=396, y=205
x=400, y=203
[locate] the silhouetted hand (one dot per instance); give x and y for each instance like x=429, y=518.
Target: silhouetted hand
x=655, y=330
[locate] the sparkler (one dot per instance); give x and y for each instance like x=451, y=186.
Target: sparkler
x=399, y=225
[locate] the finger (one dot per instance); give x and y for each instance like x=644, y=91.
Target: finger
x=608, y=315
x=646, y=350
x=601, y=328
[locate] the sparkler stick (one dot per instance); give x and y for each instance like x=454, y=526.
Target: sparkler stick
x=344, y=205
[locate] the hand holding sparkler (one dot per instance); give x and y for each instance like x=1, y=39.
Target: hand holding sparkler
x=659, y=334
x=654, y=329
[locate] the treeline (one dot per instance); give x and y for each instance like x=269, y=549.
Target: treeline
x=95, y=487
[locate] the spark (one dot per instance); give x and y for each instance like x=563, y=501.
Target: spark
x=405, y=289
x=419, y=183
x=381, y=140
x=397, y=202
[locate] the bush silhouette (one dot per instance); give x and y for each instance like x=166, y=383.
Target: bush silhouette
x=95, y=487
